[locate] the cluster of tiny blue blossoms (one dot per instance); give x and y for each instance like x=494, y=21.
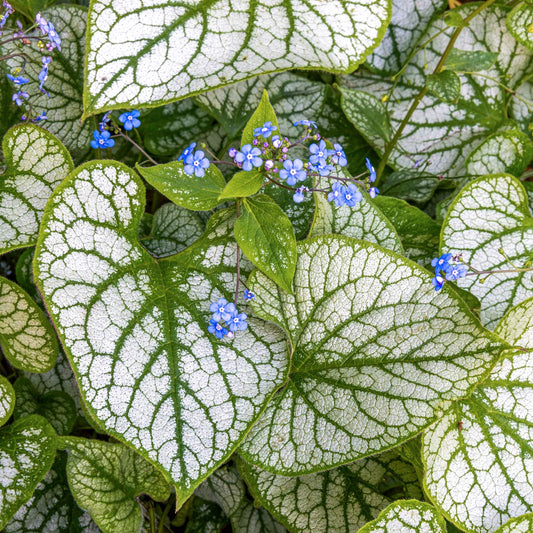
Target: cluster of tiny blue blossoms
x=102, y=138
x=226, y=319
x=448, y=267
x=270, y=153
x=48, y=41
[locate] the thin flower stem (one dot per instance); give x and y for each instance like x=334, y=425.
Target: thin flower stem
x=418, y=98
x=279, y=183
x=129, y=139
x=236, y=299
x=503, y=271
x=11, y=39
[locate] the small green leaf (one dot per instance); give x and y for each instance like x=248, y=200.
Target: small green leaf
x=335, y=501
x=27, y=451
x=189, y=191
x=454, y=19
x=52, y=508
x=470, y=60
x=36, y=162
x=488, y=214
x=409, y=516
x=367, y=111
x=520, y=24
x=264, y=113
x=374, y=352
x=56, y=406
x=106, y=479
x=26, y=336
x=266, y=237
x=7, y=400
x=445, y=85
x=172, y=229
x=243, y=184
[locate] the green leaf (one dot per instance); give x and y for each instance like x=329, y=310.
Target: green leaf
x=454, y=19
x=189, y=191
x=488, y=437
x=173, y=228
x=52, y=508
x=106, y=479
x=265, y=235
x=520, y=24
x=243, y=184
x=56, y=406
x=172, y=127
x=10, y=113
x=362, y=221
x=7, y=400
x=26, y=336
x=368, y=112
x=374, y=352
x=470, y=60
x=489, y=214
x=419, y=232
x=337, y=501
x=65, y=80
x=264, y=113
x=178, y=51
x=504, y=151
x=206, y=517
x=439, y=136
x=520, y=110
x=36, y=162
x=409, y=21
x=226, y=488
x=24, y=274
x=409, y=185
x=27, y=451
x=30, y=8
x=445, y=85
x=148, y=370
x=523, y=524
x=409, y=516
x=293, y=97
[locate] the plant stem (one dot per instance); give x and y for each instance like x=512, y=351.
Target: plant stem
x=152, y=517
x=163, y=516
x=418, y=98
x=236, y=299
x=129, y=139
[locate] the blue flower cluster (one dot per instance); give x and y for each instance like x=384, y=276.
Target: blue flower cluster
x=48, y=29
x=447, y=268
x=227, y=313
x=102, y=136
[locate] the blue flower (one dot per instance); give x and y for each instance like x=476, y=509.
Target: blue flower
x=248, y=295
x=9, y=11
x=308, y=123
x=438, y=282
x=265, y=130
x=293, y=171
x=217, y=329
x=319, y=153
x=18, y=80
x=196, y=163
x=130, y=120
x=237, y=321
x=440, y=263
x=371, y=169
x=276, y=141
x=222, y=310
x=19, y=97
x=322, y=168
x=55, y=40
x=373, y=192
x=454, y=272
x=187, y=151
x=102, y=140
x=249, y=157
x=337, y=194
x=338, y=156
x=43, y=75
x=102, y=125
x=298, y=196
x=42, y=23
x=352, y=195
x=40, y=117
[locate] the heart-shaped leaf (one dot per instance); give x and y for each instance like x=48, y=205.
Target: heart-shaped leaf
x=56, y=406
x=478, y=456
x=374, y=353
x=337, y=501
x=36, y=162
x=243, y=184
x=520, y=22
x=409, y=516
x=492, y=214
x=52, y=508
x=26, y=336
x=148, y=369
x=146, y=54
x=27, y=451
x=7, y=400
x=106, y=479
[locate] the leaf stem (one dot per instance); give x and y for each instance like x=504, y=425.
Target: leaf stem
x=418, y=98
x=129, y=139
x=236, y=299
x=152, y=517
x=164, y=516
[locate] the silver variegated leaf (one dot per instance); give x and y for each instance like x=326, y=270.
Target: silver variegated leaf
x=523, y=524
x=374, y=352
x=520, y=22
x=7, y=400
